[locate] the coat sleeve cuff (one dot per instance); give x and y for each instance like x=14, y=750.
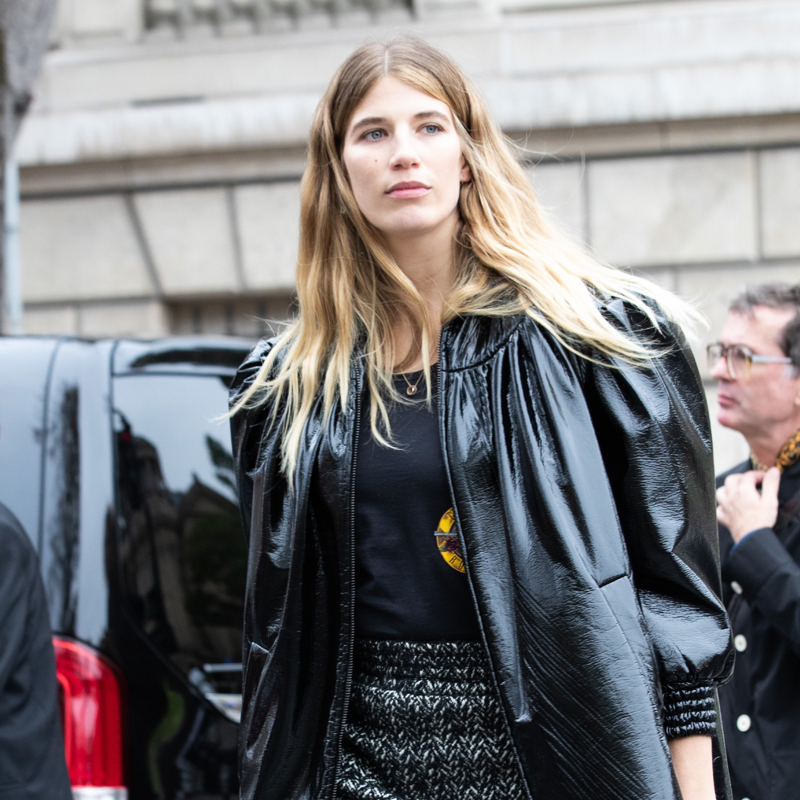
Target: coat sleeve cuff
x=689, y=710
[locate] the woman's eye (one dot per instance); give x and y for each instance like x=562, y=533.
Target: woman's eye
x=373, y=135
x=431, y=128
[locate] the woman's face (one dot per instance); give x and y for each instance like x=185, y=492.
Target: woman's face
x=403, y=158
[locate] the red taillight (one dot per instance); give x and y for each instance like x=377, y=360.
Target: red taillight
x=90, y=691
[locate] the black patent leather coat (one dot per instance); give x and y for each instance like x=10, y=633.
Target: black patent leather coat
x=585, y=499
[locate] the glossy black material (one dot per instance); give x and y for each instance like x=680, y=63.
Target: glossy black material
x=110, y=455
x=24, y=370
x=585, y=498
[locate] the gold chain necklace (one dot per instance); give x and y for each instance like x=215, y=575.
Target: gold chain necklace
x=412, y=387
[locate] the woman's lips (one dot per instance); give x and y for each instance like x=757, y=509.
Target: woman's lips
x=725, y=400
x=408, y=189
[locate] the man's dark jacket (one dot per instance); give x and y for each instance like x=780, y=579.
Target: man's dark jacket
x=584, y=497
x=32, y=763
x=761, y=704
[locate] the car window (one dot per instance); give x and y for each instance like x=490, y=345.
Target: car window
x=24, y=365
x=184, y=558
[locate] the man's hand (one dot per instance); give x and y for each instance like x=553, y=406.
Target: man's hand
x=740, y=506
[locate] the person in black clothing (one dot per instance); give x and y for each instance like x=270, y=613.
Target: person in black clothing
x=466, y=578
x=757, y=365
x=32, y=765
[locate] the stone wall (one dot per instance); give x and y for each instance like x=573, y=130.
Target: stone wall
x=160, y=164
x=701, y=224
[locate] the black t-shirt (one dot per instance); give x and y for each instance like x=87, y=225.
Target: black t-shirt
x=411, y=583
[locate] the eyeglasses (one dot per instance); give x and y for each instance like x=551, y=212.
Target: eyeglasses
x=739, y=359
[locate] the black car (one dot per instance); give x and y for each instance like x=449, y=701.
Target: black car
x=114, y=456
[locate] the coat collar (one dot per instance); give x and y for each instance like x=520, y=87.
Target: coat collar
x=472, y=340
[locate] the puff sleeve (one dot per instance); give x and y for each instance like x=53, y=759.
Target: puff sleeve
x=652, y=425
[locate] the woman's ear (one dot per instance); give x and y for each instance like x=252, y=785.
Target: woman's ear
x=466, y=172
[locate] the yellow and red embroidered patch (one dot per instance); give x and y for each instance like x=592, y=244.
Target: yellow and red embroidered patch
x=448, y=543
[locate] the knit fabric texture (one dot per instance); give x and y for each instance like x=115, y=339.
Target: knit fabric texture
x=424, y=723
x=690, y=711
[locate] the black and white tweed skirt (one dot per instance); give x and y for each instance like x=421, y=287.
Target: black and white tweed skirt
x=425, y=723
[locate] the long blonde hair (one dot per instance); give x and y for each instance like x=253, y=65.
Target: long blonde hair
x=351, y=292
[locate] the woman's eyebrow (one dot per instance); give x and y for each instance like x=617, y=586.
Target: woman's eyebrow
x=363, y=123
x=429, y=114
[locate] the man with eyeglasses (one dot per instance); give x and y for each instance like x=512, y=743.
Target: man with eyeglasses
x=757, y=366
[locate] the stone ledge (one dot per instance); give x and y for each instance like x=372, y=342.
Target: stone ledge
x=165, y=130
x=165, y=172
x=651, y=138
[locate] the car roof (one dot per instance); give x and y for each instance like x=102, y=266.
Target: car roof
x=181, y=354
x=217, y=355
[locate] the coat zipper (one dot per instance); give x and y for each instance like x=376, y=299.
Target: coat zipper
x=348, y=683
x=469, y=576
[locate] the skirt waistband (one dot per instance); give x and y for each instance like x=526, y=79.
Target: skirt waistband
x=399, y=660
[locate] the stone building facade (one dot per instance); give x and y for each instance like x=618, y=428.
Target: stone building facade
x=160, y=160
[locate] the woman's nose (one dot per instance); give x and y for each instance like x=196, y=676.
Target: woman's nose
x=405, y=152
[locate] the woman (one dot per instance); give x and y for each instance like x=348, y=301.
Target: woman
x=456, y=361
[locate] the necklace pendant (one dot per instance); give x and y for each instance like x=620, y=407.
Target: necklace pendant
x=412, y=390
